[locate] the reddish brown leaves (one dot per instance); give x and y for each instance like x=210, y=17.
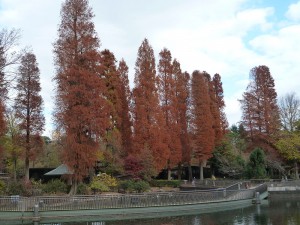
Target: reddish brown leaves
x=259, y=104
x=169, y=105
x=202, y=121
x=82, y=112
x=28, y=107
x=149, y=124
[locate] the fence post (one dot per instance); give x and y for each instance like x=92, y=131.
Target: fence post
x=224, y=193
x=256, y=200
x=36, y=213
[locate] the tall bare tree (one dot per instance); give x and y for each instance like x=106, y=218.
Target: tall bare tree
x=289, y=107
x=9, y=58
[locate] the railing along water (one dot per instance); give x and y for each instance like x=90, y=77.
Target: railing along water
x=52, y=203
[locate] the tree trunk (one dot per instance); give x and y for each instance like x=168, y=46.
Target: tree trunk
x=190, y=172
x=26, y=169
x=201, y=171
x=15, y=170
x=169, y=174
x=296, y=171
x=73, y=189
x=179, y=171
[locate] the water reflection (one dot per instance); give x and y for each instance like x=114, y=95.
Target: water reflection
x=272, y=212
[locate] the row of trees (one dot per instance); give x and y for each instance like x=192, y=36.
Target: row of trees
x=21, y=118
x=168, y=119
x=157, y=125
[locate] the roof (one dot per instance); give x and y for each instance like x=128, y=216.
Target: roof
x=60, y=170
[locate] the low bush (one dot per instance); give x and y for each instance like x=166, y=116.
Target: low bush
x=55, y=186
x=15, y=188
x=141, y=186
x=130, y=186
x=2, y=187
x=165, y=183
x=82, y=189
x=103, y=183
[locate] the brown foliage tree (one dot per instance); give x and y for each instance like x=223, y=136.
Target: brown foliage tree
x=182, y=84
x=202, y=121
x=113, y=138
x=112, y=82
x=218, y=90
x=259, y=104
x=81, y=108
x=214, y=109
x=124, y=114
x=168, y=101
x=28, y=106
x=149, y=125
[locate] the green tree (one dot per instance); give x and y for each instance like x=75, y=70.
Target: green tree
x=289, y=147
x=13, y=149
x=256, y=167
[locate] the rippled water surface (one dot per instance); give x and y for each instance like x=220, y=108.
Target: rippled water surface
x=272, y=212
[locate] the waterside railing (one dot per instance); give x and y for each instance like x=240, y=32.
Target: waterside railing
x=119, y=201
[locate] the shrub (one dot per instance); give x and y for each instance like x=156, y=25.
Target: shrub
x=15, y=188
x=130, y=186
x=82, y=189
x=103, y=183
x=2, y=187
x=99, y=187
x=165, y=183
x=55, y=186
x=127, y=185
x=141, y=186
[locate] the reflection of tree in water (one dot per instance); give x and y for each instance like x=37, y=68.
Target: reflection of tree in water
x=280, y=212
x=284, y=211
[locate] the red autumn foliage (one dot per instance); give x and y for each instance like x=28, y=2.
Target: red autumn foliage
x=218, y=90
x=202, y=121
x=82, y=112
x=149, y=124
x=112, y=82
x=259, y=104
x=28, y=107
x=133, y=165
x=124, y=114
x=182, y=81
x=214, y=109
x=168, y=101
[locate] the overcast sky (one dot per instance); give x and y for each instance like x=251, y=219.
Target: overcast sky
x=228, y=37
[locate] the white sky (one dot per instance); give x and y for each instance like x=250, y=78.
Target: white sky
x=228, y=37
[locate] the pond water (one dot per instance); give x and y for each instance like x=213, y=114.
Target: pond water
x=270, y=212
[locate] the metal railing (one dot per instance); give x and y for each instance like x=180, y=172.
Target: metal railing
x=49, y=203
